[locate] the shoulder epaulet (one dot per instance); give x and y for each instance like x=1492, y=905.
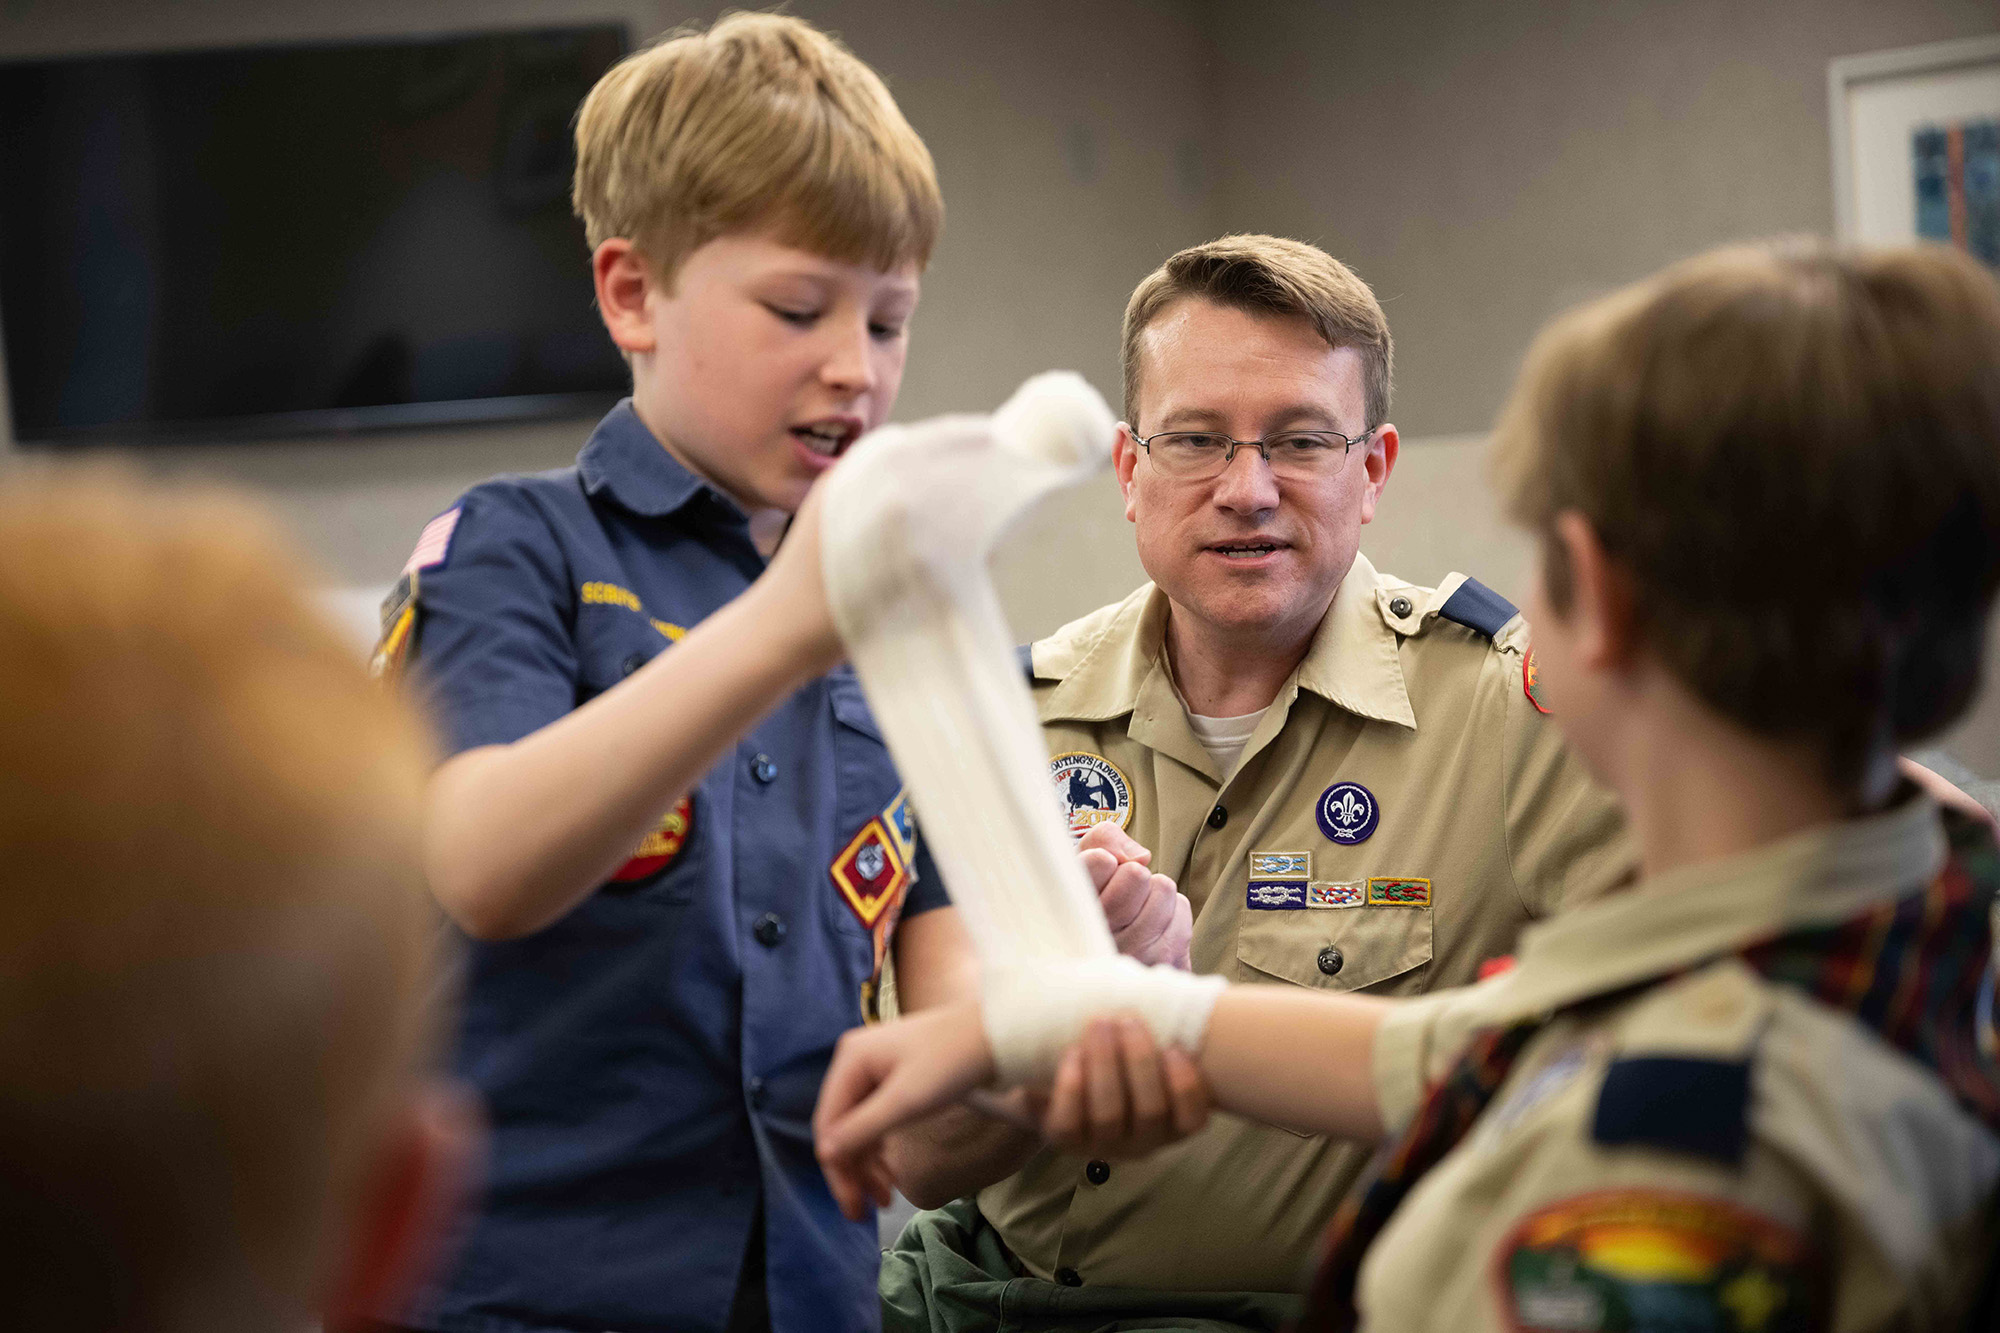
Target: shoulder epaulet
x=1676, y=1103
x=1478, y=608
x=1026, y=653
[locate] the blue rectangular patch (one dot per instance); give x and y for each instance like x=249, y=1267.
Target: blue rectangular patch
x=1277, y=895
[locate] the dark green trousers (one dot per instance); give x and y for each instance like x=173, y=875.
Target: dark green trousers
x=949, y=1273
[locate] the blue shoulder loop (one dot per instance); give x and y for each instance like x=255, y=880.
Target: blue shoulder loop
x=1478, y=607
x=1026, y=652
x=1676, y=1103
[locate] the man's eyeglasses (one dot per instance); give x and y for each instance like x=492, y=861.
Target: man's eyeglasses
x=1194, y=455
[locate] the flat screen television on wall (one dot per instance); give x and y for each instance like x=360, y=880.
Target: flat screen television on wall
x=271, y=241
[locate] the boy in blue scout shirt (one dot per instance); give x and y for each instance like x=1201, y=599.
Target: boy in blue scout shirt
x=664, y=947
x=1758, y=1091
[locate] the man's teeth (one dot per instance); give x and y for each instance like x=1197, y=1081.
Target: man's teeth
x=1247, y=551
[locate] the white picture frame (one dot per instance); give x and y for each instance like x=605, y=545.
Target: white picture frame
x=1876, y=105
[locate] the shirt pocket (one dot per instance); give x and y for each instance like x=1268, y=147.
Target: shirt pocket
x=611, y=644
x=1338, y=949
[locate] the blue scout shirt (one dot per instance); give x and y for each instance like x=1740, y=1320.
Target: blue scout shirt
x=650, y=1061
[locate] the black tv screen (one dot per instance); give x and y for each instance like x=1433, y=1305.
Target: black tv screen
x=274, y=240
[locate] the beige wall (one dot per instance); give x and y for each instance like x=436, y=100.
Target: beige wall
x=1482, y=164
x=1072, y=158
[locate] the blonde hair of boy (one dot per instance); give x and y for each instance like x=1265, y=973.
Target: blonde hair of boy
x=1269, y=275
x=760, y=122
x=1794, y=452
x=213, y=931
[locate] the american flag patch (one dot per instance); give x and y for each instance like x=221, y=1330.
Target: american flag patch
x=434, y=543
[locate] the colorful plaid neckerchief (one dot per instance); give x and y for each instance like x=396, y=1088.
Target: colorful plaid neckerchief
x=1914, y=969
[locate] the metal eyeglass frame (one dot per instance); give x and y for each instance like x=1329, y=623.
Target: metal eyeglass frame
x=1263, y=446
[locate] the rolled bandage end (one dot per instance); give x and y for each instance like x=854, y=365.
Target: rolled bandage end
x=1057, y=418
x=1038, y=1009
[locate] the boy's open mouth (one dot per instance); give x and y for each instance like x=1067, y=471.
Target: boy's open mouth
x=829, y=438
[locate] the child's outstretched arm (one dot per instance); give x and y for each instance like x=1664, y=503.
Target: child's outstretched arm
x=1286, y=1056
x=519, y=834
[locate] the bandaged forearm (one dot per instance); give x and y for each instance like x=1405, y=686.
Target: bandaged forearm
x=1036, y=1012
x=911, y=516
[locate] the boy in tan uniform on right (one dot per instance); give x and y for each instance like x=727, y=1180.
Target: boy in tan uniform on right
x=1758, y=1090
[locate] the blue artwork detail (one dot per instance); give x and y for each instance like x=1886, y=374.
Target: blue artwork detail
x=1957, y=177
x=1347, y=813
x=1276, y=895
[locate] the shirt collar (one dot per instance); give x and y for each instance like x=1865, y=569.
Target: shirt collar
x=1693, y=914
x=626, y=460
x=1352, y=661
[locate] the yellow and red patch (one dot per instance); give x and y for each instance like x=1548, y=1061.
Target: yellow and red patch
x=1398, y=891
x=1641, y=1258
x=1531, y=682
x=660, y=846
x=871, y=873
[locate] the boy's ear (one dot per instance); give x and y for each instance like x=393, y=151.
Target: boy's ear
x=1602, y=607
x=624, y=280
x=425, y=1170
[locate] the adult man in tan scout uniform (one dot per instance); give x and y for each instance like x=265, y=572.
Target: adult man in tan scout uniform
x=1348, y=776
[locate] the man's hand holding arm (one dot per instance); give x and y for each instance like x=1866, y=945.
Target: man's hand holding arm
x=959, y=1150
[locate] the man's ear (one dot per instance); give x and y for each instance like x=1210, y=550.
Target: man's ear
x=1602, y=607
x=1380, y=461
x=1124, y=458
x=425, y=1169
x=624, y=281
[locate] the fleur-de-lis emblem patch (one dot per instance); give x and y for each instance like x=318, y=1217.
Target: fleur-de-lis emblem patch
x=1347, y=813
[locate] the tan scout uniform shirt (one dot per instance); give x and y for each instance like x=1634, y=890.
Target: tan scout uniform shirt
x=1530, y=1221
x=1474, y=793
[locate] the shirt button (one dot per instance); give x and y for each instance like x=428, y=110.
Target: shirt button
x=1399, y=607
x=1331, y=960
x=1218, y=817
x=1097, y=1172
x=762, y=769
x=631, y=664
x=754, y=1090
x=1069, y=1277
x=769, y=930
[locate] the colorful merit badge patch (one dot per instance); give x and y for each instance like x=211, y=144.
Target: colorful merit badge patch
x=1334, y=893
x=1531, y=682
x=1347, y=813
x=1632, y=1259
x=661, y=846
x=1091, y=791
x=871, y=873
x=1281, y=865
x=874, y=875
x=1278, y=881
x=1276, y=895
x=1398, y=891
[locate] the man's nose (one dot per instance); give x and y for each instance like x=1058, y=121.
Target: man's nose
x=1246, y=484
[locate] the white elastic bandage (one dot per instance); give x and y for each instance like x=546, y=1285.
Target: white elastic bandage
x=910, y=516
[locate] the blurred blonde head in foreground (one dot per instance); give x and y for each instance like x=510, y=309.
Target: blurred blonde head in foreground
x=213, y=933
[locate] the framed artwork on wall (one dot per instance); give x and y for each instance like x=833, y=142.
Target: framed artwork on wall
x=1916, y=145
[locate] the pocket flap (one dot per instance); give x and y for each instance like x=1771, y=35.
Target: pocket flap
x=850, y=705
x=1373, y=944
